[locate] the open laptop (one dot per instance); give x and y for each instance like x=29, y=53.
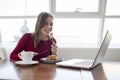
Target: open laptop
x=89, y=64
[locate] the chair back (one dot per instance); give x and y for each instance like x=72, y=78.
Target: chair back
x=3, y=55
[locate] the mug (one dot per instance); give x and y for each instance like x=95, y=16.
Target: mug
x=26, y=56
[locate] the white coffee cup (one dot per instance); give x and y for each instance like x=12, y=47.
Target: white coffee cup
x=26, y=56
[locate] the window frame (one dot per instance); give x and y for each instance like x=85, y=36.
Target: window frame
x=77, y=14
x=100, y=14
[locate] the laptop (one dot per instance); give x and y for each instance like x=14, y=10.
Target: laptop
x=89, y=64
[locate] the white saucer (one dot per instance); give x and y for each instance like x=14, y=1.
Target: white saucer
x=26, y=64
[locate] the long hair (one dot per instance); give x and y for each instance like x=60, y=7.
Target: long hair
x=41, y=20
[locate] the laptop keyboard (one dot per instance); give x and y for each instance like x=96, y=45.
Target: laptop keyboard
x=84, y=63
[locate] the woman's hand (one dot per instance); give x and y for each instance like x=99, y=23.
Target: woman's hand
x=54, y=48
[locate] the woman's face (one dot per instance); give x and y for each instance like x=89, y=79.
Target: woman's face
x=47, y=27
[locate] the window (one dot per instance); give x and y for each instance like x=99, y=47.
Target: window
x=76, y=31
x=113, y=7
x=10, y=32
x=13, y=15
x=80, y=22
x=77, y=6
x=17, y=7
x=105, y=13
x=112, y=20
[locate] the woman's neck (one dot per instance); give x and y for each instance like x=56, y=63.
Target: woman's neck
x=44, y=38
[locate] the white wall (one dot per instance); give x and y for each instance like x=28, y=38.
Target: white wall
x=113, y=54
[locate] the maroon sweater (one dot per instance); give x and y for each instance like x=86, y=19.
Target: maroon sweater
x=26, y=43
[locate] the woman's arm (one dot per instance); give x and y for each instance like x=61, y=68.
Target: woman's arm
x=19, y=47
x=54, y=47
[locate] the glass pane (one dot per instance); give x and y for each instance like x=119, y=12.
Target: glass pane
x=66, y=31
x=17, y=7
x=114, y=26
x=11, y=30
x=12, y=7
x=75, y=31
x=36, y=6
x=77, y=5
x=113, y=7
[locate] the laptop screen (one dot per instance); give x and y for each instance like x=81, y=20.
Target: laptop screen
x=103, y=48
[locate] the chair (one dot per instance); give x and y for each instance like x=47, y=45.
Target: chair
x=3, y=55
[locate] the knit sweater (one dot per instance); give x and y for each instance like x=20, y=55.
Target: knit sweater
x=26, y=43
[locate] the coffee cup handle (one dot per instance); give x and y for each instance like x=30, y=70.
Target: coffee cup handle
x=19, y=55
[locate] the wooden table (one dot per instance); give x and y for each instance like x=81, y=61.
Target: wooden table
x=42, y=71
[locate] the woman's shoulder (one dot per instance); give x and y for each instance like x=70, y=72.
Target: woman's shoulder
x=27, y=34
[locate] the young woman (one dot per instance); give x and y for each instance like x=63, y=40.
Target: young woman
x=39, y=41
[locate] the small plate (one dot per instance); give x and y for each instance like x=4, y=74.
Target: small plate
x=26, y=64
x=50, y=61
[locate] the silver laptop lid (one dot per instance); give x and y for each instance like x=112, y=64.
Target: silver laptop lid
x=103, y=48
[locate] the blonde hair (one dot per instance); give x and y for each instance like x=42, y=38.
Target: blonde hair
x=41, y=20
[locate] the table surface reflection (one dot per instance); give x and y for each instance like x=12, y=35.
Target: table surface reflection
x=105, y=71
